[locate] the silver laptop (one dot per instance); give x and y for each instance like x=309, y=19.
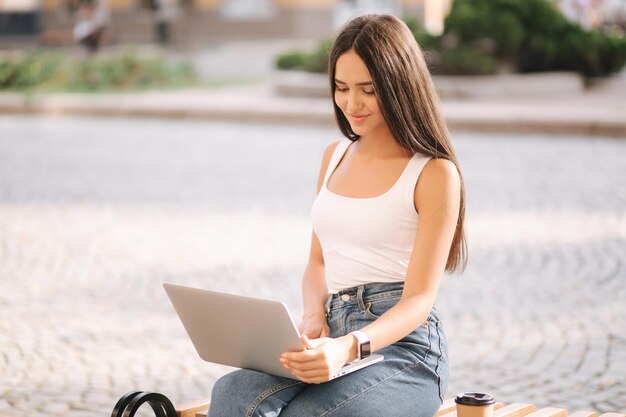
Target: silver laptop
x=240, y=331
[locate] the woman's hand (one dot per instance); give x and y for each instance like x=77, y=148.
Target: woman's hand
x=314, y=326
x=322, y=358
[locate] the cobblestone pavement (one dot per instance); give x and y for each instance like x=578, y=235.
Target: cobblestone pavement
x=96, y=213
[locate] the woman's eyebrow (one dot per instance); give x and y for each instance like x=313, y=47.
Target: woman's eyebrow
x=343, y=82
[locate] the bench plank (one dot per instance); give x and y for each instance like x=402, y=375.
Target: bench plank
x=584, y=413
x=549, y=412
x=447, y=406
x=193, y=408
x=447, y=409
x=515, y=410
x=452, y=412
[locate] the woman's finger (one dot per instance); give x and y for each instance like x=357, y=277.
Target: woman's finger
x=312, y=373
x=313, y=343
x=310, y=353
x=314, y=380
x=313, y=376
x=305, y=366
x=304, y=356
x=313, y=358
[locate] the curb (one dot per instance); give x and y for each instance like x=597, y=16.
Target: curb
x=537, y=85
x=610, y=130
x=468, y=116
x=243, y=115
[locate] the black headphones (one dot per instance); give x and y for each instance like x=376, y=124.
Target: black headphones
x=128, y=405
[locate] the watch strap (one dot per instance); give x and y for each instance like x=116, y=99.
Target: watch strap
x=363, y=345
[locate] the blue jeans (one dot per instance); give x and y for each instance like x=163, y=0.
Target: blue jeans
x=410, y=381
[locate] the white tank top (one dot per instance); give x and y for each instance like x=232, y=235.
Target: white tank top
x=366, y=239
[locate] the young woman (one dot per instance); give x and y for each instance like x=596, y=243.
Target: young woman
x=387, y=223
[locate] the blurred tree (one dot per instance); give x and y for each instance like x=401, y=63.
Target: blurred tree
x=524, y=36
x=494, y=36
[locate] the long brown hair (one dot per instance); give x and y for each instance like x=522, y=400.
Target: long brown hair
x=406, y=95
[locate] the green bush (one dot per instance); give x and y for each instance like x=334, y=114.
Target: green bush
x=129, y=71
x=531, y=36
x=291, y=60
x=613, y=56
x=425, y=40
x=490, y=36
x=7, y=73
x=315, y=61
x=36, y=68
x=466, y=61
x=45, y=70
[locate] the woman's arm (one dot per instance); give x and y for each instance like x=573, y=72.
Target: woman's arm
x=314, y=290
x=314, y=294
x=437, y=198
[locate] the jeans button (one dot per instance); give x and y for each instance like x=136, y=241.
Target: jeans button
x=345, y=297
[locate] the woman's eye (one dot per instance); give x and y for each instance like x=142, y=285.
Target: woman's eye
x=345, y=89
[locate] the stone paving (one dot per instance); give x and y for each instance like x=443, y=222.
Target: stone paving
x=96, y=213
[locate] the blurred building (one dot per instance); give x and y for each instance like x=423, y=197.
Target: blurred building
x=197, y=21
x=19, y=17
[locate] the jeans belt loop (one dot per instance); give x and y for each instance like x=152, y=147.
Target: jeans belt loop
x=359, y=296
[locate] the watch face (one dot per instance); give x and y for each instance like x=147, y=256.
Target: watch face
x=365, y=350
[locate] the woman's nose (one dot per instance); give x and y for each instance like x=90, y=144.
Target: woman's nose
x=354, y=102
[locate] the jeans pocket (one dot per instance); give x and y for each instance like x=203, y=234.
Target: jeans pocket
x=376, y=308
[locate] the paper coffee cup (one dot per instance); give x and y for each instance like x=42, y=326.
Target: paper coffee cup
x=474, y=404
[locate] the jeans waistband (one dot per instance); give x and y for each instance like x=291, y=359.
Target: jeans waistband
x=368, y=292
x=364, y=294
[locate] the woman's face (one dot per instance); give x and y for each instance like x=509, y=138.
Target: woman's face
x=355, y=95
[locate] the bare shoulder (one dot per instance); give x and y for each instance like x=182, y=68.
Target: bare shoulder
x=441, y=172
x=439, y=182
x=330, y=148
x=328, y=153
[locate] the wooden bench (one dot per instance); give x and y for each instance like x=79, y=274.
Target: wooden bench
x=131, y=402
x=447, y=409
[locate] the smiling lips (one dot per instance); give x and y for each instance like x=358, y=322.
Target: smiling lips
x=358, y=118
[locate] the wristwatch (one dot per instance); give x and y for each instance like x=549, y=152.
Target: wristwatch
x=363, y=347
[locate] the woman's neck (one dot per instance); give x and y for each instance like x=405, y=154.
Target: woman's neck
x=380, y=144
